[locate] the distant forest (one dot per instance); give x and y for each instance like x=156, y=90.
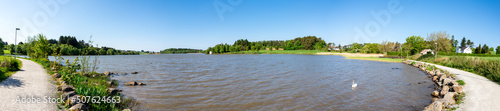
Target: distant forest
x=67, y=45
x=299, y=43
x=180, y=51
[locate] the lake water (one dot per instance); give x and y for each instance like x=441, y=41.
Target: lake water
x=268, y=82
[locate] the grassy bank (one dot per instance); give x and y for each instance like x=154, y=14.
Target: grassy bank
x=8, y=66
x=310, y=52
x=375, y=59
x=87, y=84
x=488, y=67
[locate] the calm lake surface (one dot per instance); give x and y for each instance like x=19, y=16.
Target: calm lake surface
x=268, y=82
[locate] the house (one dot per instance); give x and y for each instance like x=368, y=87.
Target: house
x=425, y=51
x=466, y=50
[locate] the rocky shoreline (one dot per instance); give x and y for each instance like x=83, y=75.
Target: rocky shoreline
x=447, y=91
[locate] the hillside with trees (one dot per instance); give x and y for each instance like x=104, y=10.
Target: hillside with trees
x=299, y=43
x=180, y=51
x=67, y=45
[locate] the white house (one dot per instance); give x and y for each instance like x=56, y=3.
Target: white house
x=466, y=50
x=335, y=48
x=425, y=52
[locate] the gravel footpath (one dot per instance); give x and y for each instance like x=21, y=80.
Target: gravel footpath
x=481, y=93
x=31, y=80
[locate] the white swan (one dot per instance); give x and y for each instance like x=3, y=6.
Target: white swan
x=354, y=85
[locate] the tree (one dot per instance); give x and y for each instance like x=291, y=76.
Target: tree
x=1, y=46
x=414, y=44
x=52, y=41
x=478, y=49
x=442, y=40
x=463, y=43
x=498, y=50
x=485, y=49
x=40, y=47
x=340, y=48
x=452, y=41
x=469, y=43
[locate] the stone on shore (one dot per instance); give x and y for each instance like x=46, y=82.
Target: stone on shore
x=435, y=93
x=444, y=90
x=113, y=91
x=67, y=88
x=447, y=81
x=68, y=95
x=448, y=98
x=107, y=73
x=57, y=75
x=78, y=107
x=435, y=78
x=435, y=106
x=458, y=89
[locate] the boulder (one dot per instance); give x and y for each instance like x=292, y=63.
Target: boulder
x=141, y=83
x=113, y=91
x=131, y=83
x=67, y=88
x=56, y=75
x=435, y=93
x=434, y=99
x=458, y=89
x=134, y=73
x=447, y=81
x=441, y=78
x=444, y=90
x=78, y=107
x=68, y=95
x=454, y=83
x=111, y=83
x=435, y=78
x=448, y=98
x=435, y=106
x=73, y=100
x=107, y=73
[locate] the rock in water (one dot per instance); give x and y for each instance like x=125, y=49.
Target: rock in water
x=134, y=72
x=131, y=83
x=435, y=93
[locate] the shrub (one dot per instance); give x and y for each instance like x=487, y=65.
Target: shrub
x=460, y=82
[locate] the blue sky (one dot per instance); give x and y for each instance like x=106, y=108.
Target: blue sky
x=159, y=24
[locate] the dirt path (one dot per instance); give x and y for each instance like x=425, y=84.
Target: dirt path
x=31, y=80
x=350, y=54
x=481, y=93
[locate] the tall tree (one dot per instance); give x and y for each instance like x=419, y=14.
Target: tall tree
x=498, y=50
x=414, y=44
x=452, y=41
x=478, y=49
x=442, y=40
x=1, y=46
x=485, y=49
x=463, y=43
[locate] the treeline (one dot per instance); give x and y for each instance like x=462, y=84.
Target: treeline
x=67, y=45
x=299, y=43
x=180, y=51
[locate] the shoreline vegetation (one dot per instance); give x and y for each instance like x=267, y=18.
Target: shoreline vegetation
x=449, y=93
x=78, y=79
x=8, y=66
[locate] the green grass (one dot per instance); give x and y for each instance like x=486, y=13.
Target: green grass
x=9, y=66
x=278, y=52
x=6, y=52
x=376, y=59
x=490, y=58
x=461, y=82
